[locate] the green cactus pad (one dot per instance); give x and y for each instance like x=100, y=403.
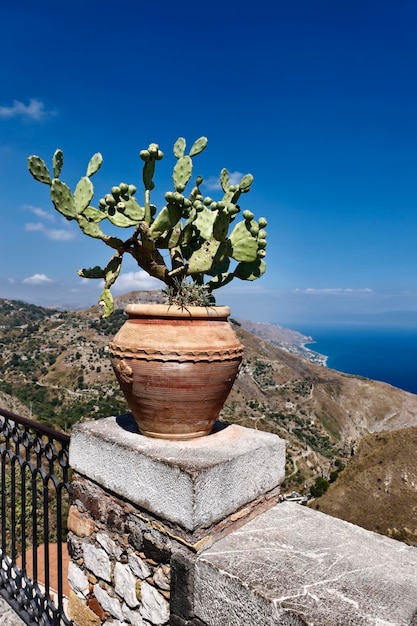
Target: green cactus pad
x=224, y=180
x=250, y=271
x=220, y=280
x=188, y=233
x=203, y=259
x=91, y=214
x=94, y=164
x=106, y=301
x=221, y=268
x=170, y=239
x=221, y=226
x=113, y=242
x=83, y=194
x=205, y=223
x=133, y=210
x=118, y=218
x=198, y=146
x=179, y=147
x=175, y=236
x=92, y=229
x=167, y=218
x=57, y=162
x=63, y=199
x=92, y=272
x=245, y=183
x=112, y=270
x=243, y=246
x=182, y=172
x=148, y=172
x=37, y=167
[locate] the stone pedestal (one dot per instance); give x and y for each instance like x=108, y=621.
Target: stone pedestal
x=144, y=509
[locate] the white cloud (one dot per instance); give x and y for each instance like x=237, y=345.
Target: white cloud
x=333, y=291
x=213, y=182
x=135, y=281
x=35, y=110
x=130, y=281
x=41, y=213
x=37, y=279
x=30, y=226
x=57, y=234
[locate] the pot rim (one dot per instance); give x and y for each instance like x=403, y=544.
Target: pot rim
x=175, y=312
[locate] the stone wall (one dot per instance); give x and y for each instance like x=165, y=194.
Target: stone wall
x=190, y=534
x=131, y=567
x=119, y=564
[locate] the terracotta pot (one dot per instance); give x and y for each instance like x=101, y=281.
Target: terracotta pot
x=176, y=367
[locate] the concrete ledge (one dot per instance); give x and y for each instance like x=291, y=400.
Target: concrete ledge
x=293, y=566
x=192, y=483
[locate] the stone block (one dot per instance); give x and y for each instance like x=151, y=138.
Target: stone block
x=108, y=602
x=78, y=580
x=125, y=585
x=80, y=614
x=193, y=483
x=80, y=525
x=294, y=565
x=97, y=561
x=154, y=607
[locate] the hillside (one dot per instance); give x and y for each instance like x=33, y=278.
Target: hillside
x=378, y=488
x=54, y=366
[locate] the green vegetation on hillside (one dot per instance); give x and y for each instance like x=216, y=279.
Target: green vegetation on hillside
x=56, y=364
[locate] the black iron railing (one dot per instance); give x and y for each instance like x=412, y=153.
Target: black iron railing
x=33, y=507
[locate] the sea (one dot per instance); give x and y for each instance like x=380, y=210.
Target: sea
x=381, y=352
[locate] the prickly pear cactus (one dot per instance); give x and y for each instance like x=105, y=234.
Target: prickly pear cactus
x=206, y=247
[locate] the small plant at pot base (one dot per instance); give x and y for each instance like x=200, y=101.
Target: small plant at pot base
x=192, y=244
x=188, y=293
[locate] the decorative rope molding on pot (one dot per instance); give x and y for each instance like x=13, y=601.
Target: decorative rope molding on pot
x=195, y=356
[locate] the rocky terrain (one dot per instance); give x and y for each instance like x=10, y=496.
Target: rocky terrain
x=54, y=367
x=378, y=488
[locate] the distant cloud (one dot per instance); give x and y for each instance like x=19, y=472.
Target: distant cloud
x=213, y=182
x=35, y=110
x=57, y=234
x=135, y=281
x=332, y=291
x=37, y=279
x=41, y=213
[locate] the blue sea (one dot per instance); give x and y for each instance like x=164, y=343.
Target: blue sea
x=386, y=353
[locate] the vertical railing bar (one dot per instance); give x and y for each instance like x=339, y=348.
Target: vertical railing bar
x=59, y=546
x=34, y=526
x=46, y=532
x=23, y=520
x=13, y=508
x=3, y=503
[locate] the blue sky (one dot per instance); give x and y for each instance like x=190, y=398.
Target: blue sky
x=316, y=98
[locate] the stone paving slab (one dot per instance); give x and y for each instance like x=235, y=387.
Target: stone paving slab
x=7, y=615
x=293, y=566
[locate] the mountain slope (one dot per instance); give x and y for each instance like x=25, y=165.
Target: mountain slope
x=322, y=413
x=55, y=364
x=378, y=488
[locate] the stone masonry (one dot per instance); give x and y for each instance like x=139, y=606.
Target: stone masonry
x=133, y=546
x=190, y=534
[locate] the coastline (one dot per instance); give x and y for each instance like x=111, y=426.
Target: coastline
x=306, y=353
x=292, y=341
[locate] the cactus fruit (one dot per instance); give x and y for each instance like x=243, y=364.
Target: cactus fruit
x=194, y=228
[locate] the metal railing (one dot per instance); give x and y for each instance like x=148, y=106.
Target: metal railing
x=34, y=502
